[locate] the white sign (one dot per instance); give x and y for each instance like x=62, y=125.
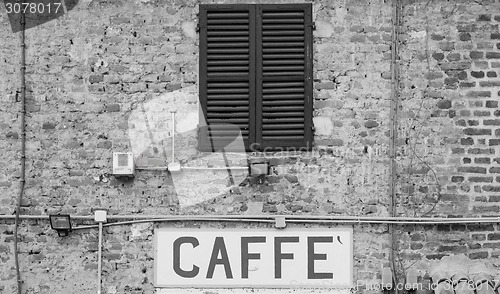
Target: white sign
x=232, y=258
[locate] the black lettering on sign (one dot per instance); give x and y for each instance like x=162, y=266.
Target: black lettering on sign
x=219, y=246
x=311, y=257
x=177, y=257
x=278, y=256
x=246, y=256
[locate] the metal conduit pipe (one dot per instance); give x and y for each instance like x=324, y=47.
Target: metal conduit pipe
x=99, y=261
x=340, y=219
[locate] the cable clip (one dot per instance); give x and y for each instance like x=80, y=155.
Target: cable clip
x=280, y=222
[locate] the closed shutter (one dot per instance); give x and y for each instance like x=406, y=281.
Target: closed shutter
x=284, y=76
x=227, y=79
x=256, y=75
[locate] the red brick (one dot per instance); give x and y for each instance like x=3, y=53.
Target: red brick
x=477, y=74
x=481, y=151
x=491, y=122
x=479, y=94
x=482, y=160
x=476, y=54
x=478, y=255
x=491, y=104
x=484, y=17
x=489, y=83
x=467, y=141
x=472, y=169
x=493, y=55
x=477, y=132
x=481, y=179
x=489, y=188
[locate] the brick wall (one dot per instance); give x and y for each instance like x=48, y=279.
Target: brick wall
x=448, y=128
x=91, y=74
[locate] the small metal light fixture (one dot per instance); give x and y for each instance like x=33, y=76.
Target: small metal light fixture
x=258, y=167
x=61, y=223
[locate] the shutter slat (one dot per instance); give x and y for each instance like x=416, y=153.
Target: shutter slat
x=286, y=120
x=224, y=15
x=229, y=39
x=283, y=44
x=283, y=90
x=283, y=62
x=284, y=68
x=282, y=126
x=227, y=62
x=226, y=108
x=267, y=20
x=236, y=121
x=283, y=84
x=283, y=32
x=278, y=56
x=227, y=116
x=282, y=50
x=227, y=33
x=283, y=132
x=282, y=108
x=227, y=51
x=283, y=115
x=283, y=102
x=225, y=90
x=220, y=57
x=226, y=20
x=280, y=27
x=227, y=97
x=228, y=45
x=228, y=68
x=227, y=132
x=229, y=85
x=216, y=127
x=280, y=139
x=227, y=27
x=283, y=96
x=280, y=39
x=282, y=14
x=226, y=102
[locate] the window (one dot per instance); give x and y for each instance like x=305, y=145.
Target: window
x=256, y=75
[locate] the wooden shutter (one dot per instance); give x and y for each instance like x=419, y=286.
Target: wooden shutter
x=227, y=79
x=284, y=76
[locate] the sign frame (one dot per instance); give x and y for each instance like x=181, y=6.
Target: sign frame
x=310, y=231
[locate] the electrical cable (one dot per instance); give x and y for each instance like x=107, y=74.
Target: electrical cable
x=393, y=135
x=23, y=153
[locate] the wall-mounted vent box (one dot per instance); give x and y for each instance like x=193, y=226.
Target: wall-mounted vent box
x=123, y=164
